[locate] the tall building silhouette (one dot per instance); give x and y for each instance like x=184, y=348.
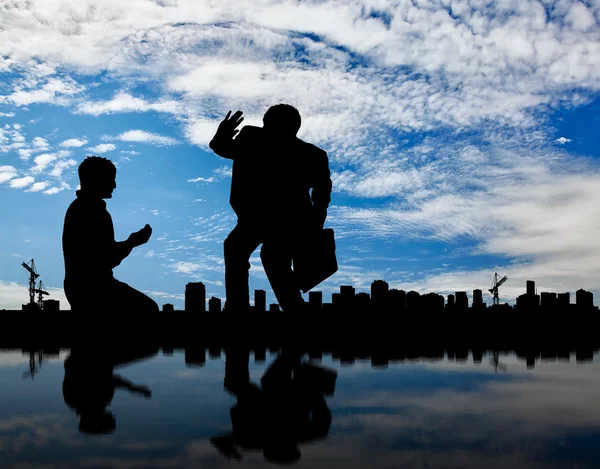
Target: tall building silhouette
x=564, y=299
x=413, y=300
x=379, y=289
x=336, y=299
x=432, y=302
x=396, y=300
x=548, y=299
x=260, y=301
x=477, y=298
x=214, y=305
x=195, y=297
x=584, y=299
x=347, y=292
x=462, y=300
x=451, y=301
x=361, y=301
x=530, y=287
x=315, y=299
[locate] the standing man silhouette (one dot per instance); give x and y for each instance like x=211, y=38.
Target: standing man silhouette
x=273, y=174
x=90, y=250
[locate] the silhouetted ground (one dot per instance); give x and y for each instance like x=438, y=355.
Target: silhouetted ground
x=367, y=333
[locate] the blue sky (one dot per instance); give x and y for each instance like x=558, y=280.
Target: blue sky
x=462, y=135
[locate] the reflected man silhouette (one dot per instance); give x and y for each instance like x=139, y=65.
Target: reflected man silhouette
x=273, y=174
x=89, y=384
x=288, y=409
x=90, y=250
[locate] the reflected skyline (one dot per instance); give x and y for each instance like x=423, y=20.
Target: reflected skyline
x=446, y=413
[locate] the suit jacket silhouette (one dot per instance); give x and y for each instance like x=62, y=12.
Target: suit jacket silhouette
x=272, y=177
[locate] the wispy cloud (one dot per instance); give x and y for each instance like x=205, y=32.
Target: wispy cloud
x=102, y=148
x=73, y=142
x=144, y=137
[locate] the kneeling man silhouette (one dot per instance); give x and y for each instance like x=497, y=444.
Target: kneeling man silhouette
x=90, y=250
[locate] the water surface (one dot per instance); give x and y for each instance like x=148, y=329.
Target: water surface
x=414, y=414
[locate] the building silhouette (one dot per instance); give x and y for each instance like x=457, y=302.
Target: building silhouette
x=260, y=301
x=462, y=300
x=413, y=300
x=195, y=297
x=51, y=306
x=530, y=288
x=563, y=299
x=168, y=308
x=214, y=305
x=529, y=300
x=379, y=290
x=274, y=308
x=336, y=300
x=315, y=300
x=362, y=301
x=451, y=302
x=584, y=299
x=396, y=300
x=548, y=299
x=477, y=299
x=432, y=302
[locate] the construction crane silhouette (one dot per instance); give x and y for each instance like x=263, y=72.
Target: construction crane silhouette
x=495, y=285
x=41, y=292
x=33, y=275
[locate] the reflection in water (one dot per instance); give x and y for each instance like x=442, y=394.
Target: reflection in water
x=288, y=409
x=412, y=410
x=90, y=383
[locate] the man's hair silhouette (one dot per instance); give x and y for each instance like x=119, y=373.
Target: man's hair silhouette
x=90, y=250
x=95, y=168
x=283, y=118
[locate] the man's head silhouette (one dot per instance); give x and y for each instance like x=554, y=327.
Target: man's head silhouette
x=282, y=120
x=97, y=176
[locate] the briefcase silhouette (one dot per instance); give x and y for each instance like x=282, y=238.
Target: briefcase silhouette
x=316, y=260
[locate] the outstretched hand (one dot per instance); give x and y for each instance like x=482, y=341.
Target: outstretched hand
x=227, y=127
x=141, y=237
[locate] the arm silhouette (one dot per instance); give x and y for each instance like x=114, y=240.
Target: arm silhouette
x=223, y=143
x=121, y=249
x=321, y=193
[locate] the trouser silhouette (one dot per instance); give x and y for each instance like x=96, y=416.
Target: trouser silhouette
x=107, y=295
x=276, y=255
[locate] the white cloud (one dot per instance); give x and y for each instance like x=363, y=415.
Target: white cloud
x=201, y=179
x=150, y=253
x=20, y=183
x=223, y=172
x=13, y=295
x=42, y=161
x=124, y=102
x=55, y=190
x=7, y=114
x=102, y=148
x=40, y=144
x=25, y=154
x=563, y=140
x=73, y=142
x=144, y=137
x=7, y=173
x=38, y=186
x=55, y=91
x=60, y=166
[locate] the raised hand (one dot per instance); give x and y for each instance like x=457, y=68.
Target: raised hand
x=141, y=237
x=227, y=127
